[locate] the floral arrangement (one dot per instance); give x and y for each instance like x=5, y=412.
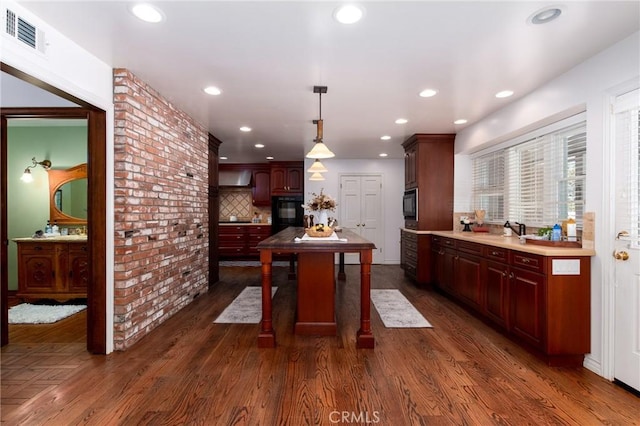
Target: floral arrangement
x=321, y=201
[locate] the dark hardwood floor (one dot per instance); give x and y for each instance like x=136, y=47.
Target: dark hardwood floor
x=192, y=371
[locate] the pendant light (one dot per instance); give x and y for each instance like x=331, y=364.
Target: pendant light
x=317, y=166
x=319, y=149
x=316, y=176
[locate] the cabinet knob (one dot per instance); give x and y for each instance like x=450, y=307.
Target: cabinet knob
x=525, y=260
x=511, y=276
x=504, y=273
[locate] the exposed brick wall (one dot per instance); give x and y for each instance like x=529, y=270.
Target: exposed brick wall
x=161, y=217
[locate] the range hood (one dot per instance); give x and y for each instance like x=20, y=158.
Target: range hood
x=235, y=178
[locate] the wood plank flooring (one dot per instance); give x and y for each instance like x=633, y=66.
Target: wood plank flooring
x=192, y=371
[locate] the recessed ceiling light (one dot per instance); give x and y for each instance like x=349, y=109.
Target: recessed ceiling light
x=223, y=158
x=427, y=93
x=259, y=145
x=545, y=15
x=383, y=154
x=348, y=14
x=147, y=13
x=245, y=129
x=402, y=121
x=504, y=94
x=460, y=121
x=385, y=137
x=212, y=90
x=269, y=158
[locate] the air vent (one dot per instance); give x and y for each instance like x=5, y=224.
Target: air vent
x=20, y=29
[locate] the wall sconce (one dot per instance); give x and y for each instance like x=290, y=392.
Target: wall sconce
x=319, y=149
x=26, y=176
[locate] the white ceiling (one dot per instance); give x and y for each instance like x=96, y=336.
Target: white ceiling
x=267, y=56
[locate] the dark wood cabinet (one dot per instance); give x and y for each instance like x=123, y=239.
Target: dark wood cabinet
x=545, y=309
x=287, y=178
x=526, y=316
x=240, y=241
x=429, y=167
x=54, y=269
x=261, y=190
x=411, y=245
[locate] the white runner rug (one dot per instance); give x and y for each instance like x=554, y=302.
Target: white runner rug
x=246, y=308
x=396, y=311
x=27, y=313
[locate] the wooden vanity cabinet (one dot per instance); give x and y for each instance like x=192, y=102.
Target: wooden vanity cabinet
x=52, y=270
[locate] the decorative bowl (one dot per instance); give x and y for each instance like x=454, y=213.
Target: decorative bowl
x=313, y=232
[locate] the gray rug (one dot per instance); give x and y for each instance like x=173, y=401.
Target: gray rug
x=246, y=308
x=396, y=311
x=27, y=313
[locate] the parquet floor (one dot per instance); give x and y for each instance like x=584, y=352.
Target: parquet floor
x=192, y=371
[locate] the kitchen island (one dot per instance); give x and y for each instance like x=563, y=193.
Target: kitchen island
x=316, y=283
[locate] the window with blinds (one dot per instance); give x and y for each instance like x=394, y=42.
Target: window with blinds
x=538, y=179
x=627, y=135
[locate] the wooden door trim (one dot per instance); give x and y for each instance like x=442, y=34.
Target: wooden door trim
x=96, y=150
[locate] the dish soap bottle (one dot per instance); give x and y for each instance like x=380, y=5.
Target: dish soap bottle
x=556, y=233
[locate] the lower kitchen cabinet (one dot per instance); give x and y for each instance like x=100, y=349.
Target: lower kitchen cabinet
x=240, y=241
x=412, y=247
x=52, y=269
x=519, y=292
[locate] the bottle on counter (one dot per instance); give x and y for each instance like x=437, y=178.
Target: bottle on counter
x=55, y=230
x=507, y=229
x=47, y=229
x=572, y=234
x=556, y=233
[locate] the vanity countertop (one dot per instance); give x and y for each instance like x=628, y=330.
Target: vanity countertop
x=512, y=243
x=56, y=239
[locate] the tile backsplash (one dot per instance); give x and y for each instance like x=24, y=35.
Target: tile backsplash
x=239, y=203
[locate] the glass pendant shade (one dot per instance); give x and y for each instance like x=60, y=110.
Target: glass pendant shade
x=320, y=150
x=316, y=176
x=26, y=176
x=317, y=166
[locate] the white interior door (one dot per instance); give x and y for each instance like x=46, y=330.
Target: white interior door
x=627, y=253
x=361, y=211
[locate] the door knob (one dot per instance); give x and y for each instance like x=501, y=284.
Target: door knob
x=620, y=255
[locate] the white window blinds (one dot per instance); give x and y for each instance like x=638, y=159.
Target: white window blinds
x=539, y=180
x=627, y=134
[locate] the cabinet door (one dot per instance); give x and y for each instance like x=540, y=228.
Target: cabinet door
x=410, y=168
x=446, y=270
x=496, y=292
x=526, y=296
x=468, y=280
x=261, y=190
x=278, y=180
x=37, y=273
x=295, y=179
x=78, y=268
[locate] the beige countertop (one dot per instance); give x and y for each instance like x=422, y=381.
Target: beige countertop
x=243, y=224
x=56, y=239
x=512, y=243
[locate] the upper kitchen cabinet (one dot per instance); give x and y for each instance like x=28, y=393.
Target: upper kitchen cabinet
x=287, y=178
x=261, y=191
x=429, y=167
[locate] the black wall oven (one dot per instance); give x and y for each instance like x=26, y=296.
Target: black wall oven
x=286, y=210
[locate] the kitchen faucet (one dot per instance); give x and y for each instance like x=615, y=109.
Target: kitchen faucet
x=522, y=229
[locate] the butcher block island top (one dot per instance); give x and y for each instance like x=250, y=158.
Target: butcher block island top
x=315, y=313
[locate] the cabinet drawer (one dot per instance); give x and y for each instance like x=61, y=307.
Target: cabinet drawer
x=259, y=230
x=447, y=242
x=225, y=230
x=232, y=251
x=410, y=237
x=528, y=261
x=232, y=238
x=36, y=248
x=471, y=248
x=496, y=253
x=411, y=256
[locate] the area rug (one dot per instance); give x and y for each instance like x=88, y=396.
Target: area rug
x=27, y=313
x=246, y=308
x=396, y=311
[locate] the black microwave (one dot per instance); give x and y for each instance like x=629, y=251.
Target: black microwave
x=410, y=204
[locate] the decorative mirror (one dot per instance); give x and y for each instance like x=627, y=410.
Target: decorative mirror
x=68, y=195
